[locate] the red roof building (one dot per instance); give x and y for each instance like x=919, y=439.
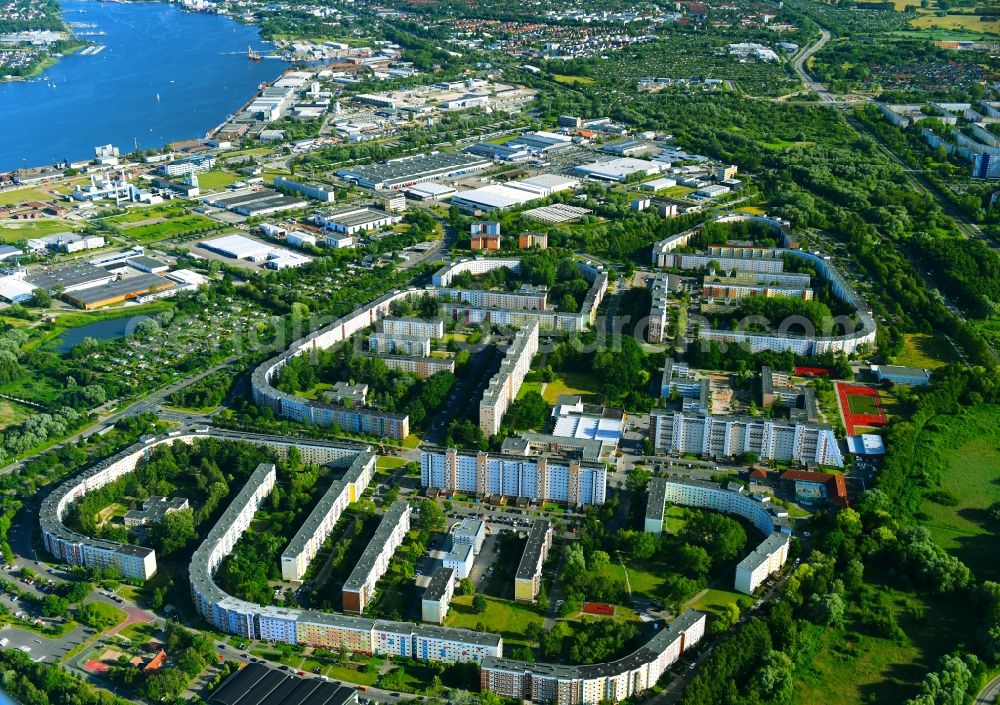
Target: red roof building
x=836, y=487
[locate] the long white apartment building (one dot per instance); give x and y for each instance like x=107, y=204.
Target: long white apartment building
x=504, y=385
x=590, y=684
x=359, y=587
x=316, y=529
x=391, y=344
x=762, y=562
x=528, y=578
x=658, y=309
x=766, y=559
x=678, y=433
x=476, y=266
x=413, y=327
x=527, y=297
x=139, y=562
x=308, y=627
x=437, y=596
x=220, y=542
x=539, y=478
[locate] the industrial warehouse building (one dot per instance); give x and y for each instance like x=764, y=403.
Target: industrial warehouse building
x=118, y=291
x=258, y=203
x=407, y=171
x=354, y=220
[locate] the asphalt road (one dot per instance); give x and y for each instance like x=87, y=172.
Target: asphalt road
x=799, y=66
x=990, y=695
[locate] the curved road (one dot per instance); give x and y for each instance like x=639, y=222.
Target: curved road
x=990, y=695
x=799, y=66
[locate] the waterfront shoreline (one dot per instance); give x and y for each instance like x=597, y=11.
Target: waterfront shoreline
x=173, y=96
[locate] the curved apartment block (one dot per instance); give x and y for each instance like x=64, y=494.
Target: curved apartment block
x=598, y=682
x=771, y=521
x=318, y=629
x=771, y=260
x=139, y=562
x=397, y=426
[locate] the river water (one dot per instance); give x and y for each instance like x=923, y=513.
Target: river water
x=164, y=75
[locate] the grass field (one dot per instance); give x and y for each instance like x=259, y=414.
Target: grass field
x=140, y=632
x=861, y=404
x=779, y=144
x=870, y=669
x=174, y=227
x=963, y=23
x=676, y=191
x=12, y=413
x=570, y=383
x=12, y=232
x=216, y=179
x=20, y=195
x=574, y=80
x=713, y=601
x=640, y=581
x=138, y=215
x=503, y=617
x=925, y=351
x=109, y=615
x=969, y=446
x=529, y=387
x=389, y=462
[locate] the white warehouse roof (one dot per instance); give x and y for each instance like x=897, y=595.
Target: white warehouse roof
x=495, y=196
x=553, y=182
x=238, y=247
x=14, y=289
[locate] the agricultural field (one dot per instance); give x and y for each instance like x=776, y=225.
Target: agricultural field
x=969, y=449
x=974, y=24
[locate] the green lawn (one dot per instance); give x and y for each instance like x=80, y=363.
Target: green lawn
x=109, y=615
x=174, y=227
x=574, y=80
x=139, y=632
x=641, y=581
x=11, y=232
x=861, y=404
x=529, y=387
x=868, y=669
x=969, y=448
x=571, y=383
x=509, y=619
x=138, y=215
x=12, y=413
x=9, y=198
x=216, y=180
x=389, y=462
x=315, y=392
x=713, y=600
x=925, y=351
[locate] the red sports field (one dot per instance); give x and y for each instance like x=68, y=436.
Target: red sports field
x=601, y=608
x=861, y=406
x=815, y=371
